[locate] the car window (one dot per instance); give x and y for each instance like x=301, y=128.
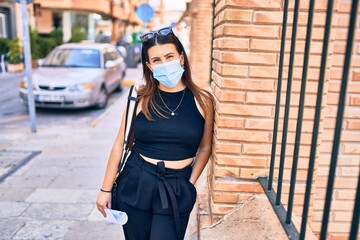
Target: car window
x=89, y=58
x=110, y=55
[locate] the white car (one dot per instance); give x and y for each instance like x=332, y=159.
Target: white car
x=76, y=75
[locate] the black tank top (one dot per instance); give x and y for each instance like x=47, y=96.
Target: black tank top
x=175, y=137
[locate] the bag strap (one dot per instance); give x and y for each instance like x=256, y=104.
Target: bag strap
x=129, y=122
x=130, y=115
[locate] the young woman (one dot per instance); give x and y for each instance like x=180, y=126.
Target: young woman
x=173, y=139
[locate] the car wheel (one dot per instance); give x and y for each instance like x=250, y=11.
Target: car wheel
x=103, y=98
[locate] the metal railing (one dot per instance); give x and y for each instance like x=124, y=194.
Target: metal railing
x=267, y=183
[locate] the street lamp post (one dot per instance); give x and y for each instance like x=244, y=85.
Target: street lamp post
x=27, y=55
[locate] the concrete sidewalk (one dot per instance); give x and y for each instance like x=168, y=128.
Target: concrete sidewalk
x=53, y=196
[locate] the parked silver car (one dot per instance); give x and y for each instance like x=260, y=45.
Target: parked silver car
x=76, y=75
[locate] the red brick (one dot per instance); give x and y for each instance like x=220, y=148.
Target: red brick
x=225, y=198
x=351, y=148
x=311, y=87
x=340, y=183
x=349, y=160
x=317, y=33
x=340, y=205
x=263, y=72
x=224, y=147
x=221, y=208
x=342, y=34
x=248, y=58
x=303, y=162
x=248, y=187
x=301, y=175
x=261, y=98
x=353, y=124
x=314, y=60
x=244, y=84
x=261, y=17
x=338, y=61
x=332, y=99
x=355, y=101
x=343, y=194
x=339, y=47
x=241, y=161
x=242, y=16
x=230, y=70
x=265, y=45
x=232, y=43
x=253, y=173
x=305, y=138
x=346, y=136
x=304, y=5
x=339, y=236
x=255, y=4
x=307, y=114
x=329, y=123
x=243, y=135
x=260, y=124
x=342, y=216
x=345, y=7
x=225, y=121
x=338, y=227
x=248, y=31
x=245, y=110
x=355, y=75
x=229, y=96
x=352, y=112
x=227, y=172
x=318, y=19
x=349, y=171
x=343, y=20
x=257, y=149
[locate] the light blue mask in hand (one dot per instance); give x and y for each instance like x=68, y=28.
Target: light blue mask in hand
x=169, y=74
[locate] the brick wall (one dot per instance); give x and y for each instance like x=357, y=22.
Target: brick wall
x=349, y=159
x=246, y=49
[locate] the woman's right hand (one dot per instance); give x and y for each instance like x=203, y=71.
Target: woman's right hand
x=103, y=201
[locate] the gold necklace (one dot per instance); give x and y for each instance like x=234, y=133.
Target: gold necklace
x=172, y=111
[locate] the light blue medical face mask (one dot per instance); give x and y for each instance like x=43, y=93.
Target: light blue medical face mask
x=169, y=74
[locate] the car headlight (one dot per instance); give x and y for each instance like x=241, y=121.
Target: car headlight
x=81, y=87
x=24, y=84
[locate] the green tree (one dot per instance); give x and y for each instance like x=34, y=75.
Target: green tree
x=45, y=45
x=58, y=35
x=14, y=51
x=78, y=36
x=4, y=45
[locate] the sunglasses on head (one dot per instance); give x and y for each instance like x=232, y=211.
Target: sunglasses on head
x=162, y=31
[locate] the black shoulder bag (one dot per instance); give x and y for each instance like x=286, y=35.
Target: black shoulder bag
x=128, y=140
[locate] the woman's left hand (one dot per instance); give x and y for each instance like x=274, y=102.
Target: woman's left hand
x=103, y=201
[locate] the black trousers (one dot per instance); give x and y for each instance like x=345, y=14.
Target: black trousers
x=158, y=200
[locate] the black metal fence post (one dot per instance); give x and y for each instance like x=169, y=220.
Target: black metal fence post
x=339, y=119
x=287, y=102
x=300, y=113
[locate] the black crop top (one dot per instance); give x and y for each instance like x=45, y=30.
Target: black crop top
x=175, y=137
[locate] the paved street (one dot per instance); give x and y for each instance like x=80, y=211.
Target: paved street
x=53, y=195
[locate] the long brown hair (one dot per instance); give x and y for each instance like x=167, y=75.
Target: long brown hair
x=147, y=91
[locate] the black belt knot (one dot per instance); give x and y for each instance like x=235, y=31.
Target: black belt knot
x=164, y=187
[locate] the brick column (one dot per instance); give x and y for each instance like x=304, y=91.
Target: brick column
x=201, y=12
x=246, y=62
